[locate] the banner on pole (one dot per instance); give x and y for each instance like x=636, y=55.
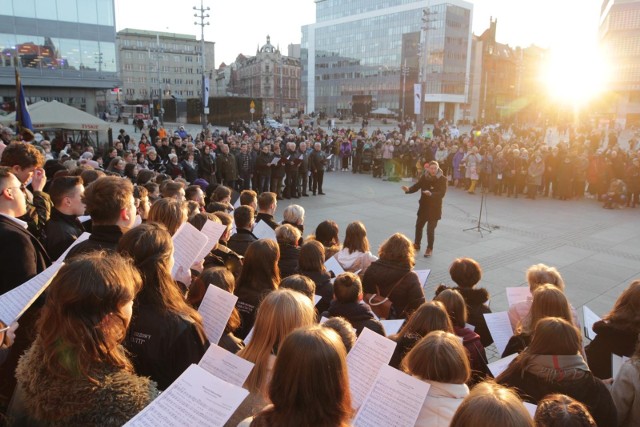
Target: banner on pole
x=417, y=98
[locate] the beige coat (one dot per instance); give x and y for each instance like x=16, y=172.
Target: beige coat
x=626, y=393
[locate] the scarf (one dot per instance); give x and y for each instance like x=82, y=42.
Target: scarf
x=557, y=367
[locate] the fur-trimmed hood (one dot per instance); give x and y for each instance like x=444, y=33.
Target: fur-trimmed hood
x=116, y=398
x=472, y=296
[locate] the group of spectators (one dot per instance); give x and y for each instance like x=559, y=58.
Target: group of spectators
x=115, y=327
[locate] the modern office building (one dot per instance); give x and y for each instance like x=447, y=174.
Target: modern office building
x=152, y=61
x=620, y=39
x=354, y=54
x=65, y=50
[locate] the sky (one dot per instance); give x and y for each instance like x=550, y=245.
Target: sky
x=239, y=26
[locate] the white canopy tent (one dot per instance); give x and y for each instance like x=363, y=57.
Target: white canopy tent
x=55, y=115
x=383, y=111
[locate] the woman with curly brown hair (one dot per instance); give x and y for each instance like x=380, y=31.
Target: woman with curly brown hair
x=392, y=276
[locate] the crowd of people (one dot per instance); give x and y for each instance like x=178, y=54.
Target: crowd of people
x=115, y=327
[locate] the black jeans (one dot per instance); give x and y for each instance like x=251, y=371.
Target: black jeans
x=431, y=229
x=318, y=177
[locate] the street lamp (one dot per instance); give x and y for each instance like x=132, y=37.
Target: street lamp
x=202, y=15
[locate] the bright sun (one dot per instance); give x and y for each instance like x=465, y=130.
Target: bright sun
x=575, y=75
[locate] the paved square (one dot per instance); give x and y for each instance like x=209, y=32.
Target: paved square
x=596, y=250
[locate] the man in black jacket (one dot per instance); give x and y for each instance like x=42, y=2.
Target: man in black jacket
x=317, y=162
x=303, y=171
x=433, y=186
x=239, y=242
x=63, y=228
x=110, y=202
x=267, y=204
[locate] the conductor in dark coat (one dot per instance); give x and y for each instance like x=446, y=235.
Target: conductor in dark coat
x=433, y=186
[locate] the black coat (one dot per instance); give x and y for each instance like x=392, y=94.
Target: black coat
x=358, y=314
x=240, y=241
x=404, y=345
x=588, y=390
x=162, y=345
x=406, y=297
x=21, y=255
x=103, y=237
x=609, y=339
x=324, y=287
x=60, y=232
x=430, y=205
x=288, y=262
x=317, y=160
x=476, y=299
x=248, y=302
x=226, y=167
x=268, y=219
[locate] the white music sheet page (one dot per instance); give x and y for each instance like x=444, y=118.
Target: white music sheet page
x=226, y=365
x=616, y=364
x=370, y=352
x=215, y=309
x=15, y=302
x=81, y=238
x=196, y=398
x=395, y=399
x=187, y=244
x=500, y=328
x=518, y=294
x=589, y=319
x=499, y=366
x=333, y=265
x=531, y=408
x=391, y=327
x=213, y=231
x=423, y=275
x=262, y=230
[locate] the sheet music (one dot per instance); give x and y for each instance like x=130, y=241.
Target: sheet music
x=333, y=265
x=391, y=327
x=616, y=364
x=213, y=231
x=262, y=230
x=248, y=337
x=500, y=328
x=531, y=408
x=187, y=244
x=316, y=299
x=226, y=365
x=370, y=352
x=275, y=161
x=516, y=295
x=499, y=366
x=395, y=397
x=15, y=302
x=81, y=238
x=196, y=398
x=84, y=218
x=236, y=205
x=423, y=275
x=215, y=308
x=589, y=319
x=470, y=327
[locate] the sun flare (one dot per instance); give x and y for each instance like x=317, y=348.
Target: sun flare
x=576, y=76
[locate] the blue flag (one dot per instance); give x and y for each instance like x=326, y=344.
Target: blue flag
x=22, y=114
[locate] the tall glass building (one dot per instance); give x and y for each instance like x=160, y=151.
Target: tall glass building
x=354, y=55
x=65, y=50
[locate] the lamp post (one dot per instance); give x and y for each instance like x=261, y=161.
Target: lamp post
x=202, y=15
x=424, y=58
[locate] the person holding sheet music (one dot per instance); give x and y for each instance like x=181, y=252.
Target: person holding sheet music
x=616, y=333
x=440, y=360
x=430, y=316
x=310, y=385
x=110, y=202
x=22, y=256
x=311, y=265
x=166, y=335
x=63, y=227
x=280, y=313
x=76, y=372
x=466, y=273
x=223, y=279
x=457, y=310
x=260, y=276
x=552, y=363
x=244, y=219
x=292, y=164
x=392, y=276
x=626, y=390
x=548, y=301
x=169, y=212
x=348, y=303
x=263, y=168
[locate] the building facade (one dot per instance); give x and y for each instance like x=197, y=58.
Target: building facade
x=154, y=64
x=356, y=52
x=65, y=50
x=270, y=76
x=620, y=38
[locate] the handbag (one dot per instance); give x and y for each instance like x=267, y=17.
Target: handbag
x=382, y=306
